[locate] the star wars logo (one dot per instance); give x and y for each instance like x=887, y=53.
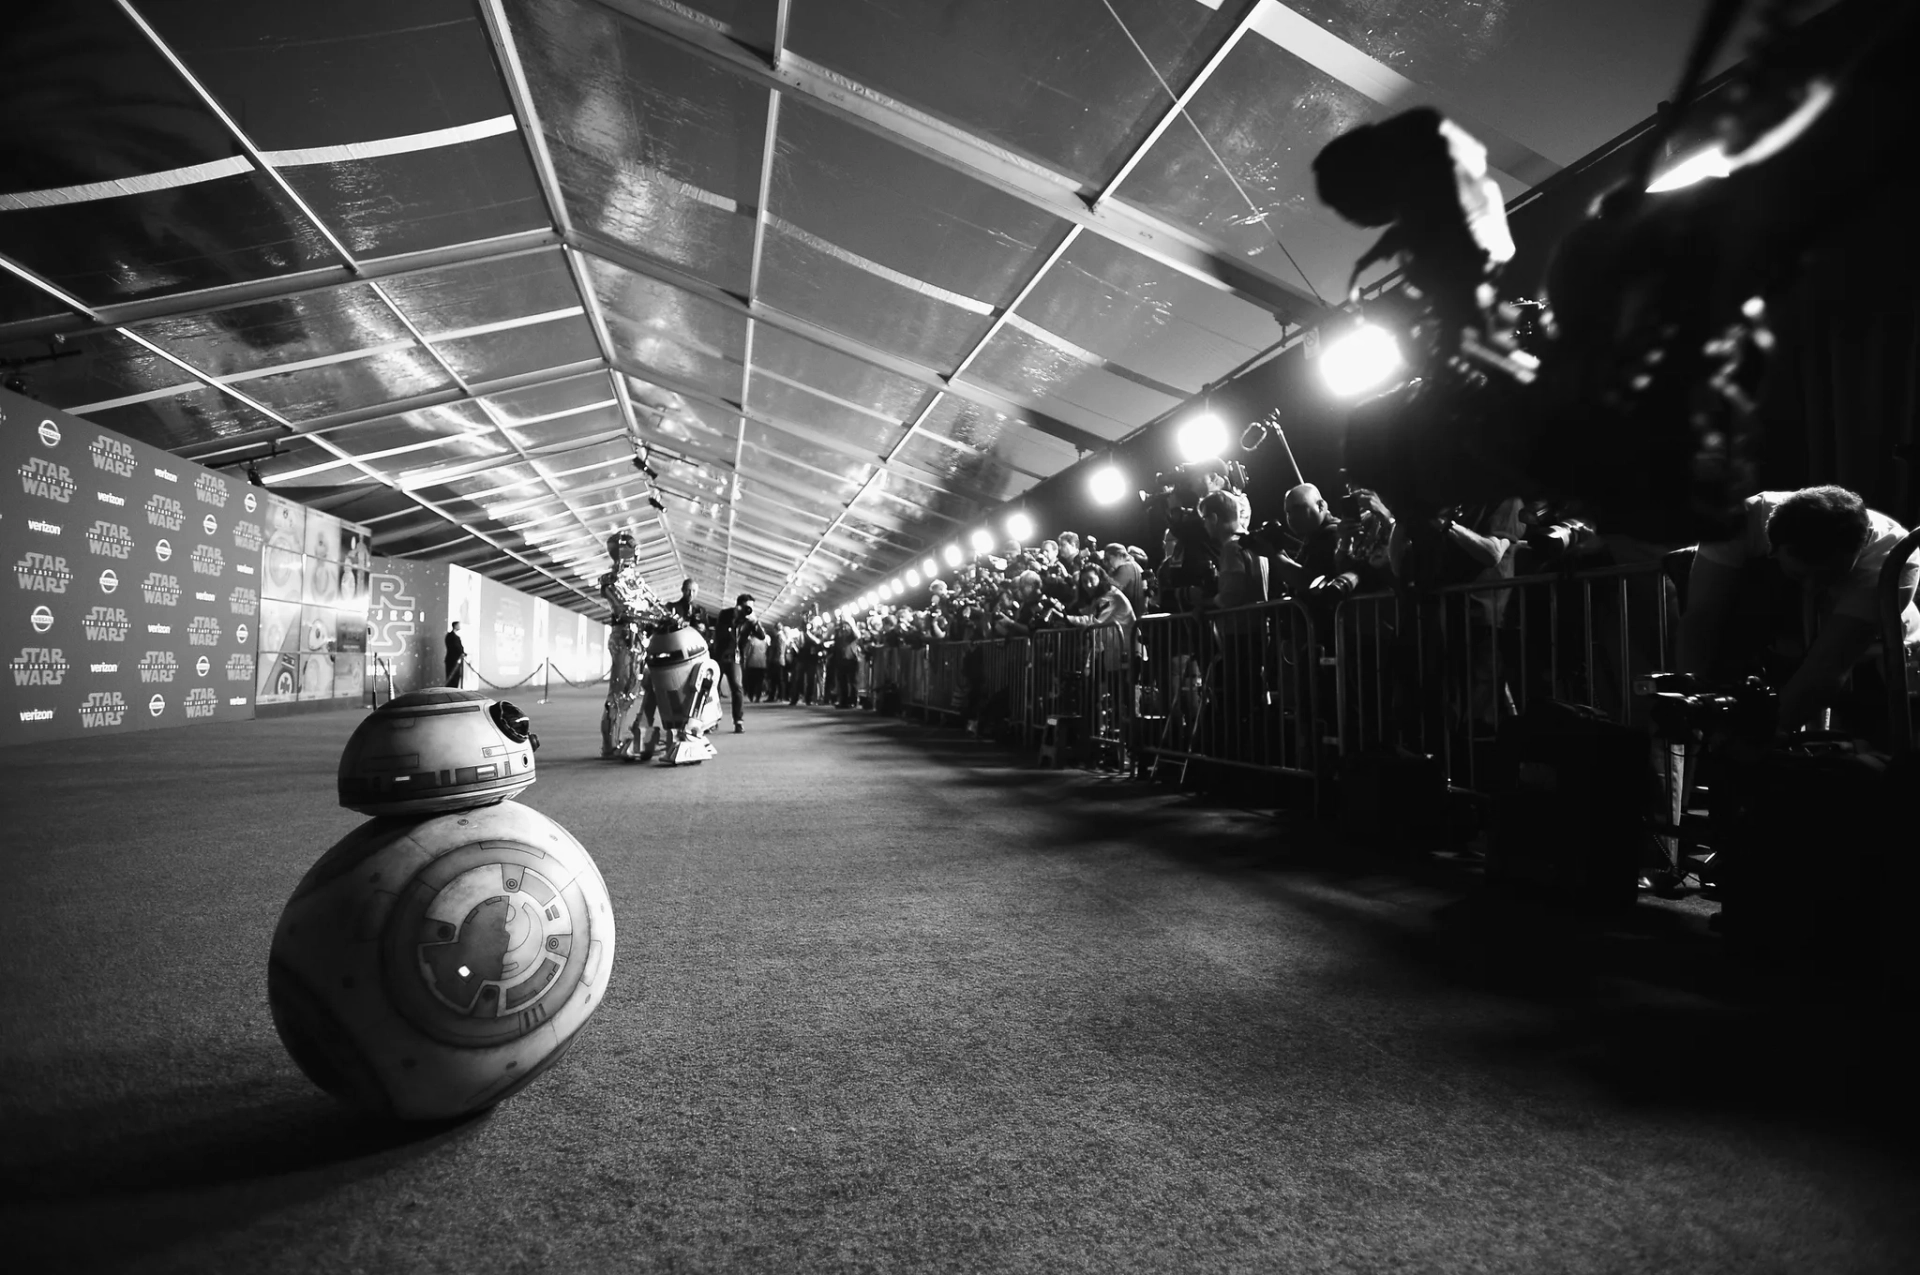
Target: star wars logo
x=247, y=536
x=43, y=573
x=106, y=624
x=110, y=539
x=103, y=708
x=46, y=480
x=244, y=601
x=211, y=491
x=201, y=701
x=161, y=590
x=39, y=666
x=165, y=512
x=208, y=561
x=239, y=668
x=158, y=666
x=204, y=631
x=114, y=455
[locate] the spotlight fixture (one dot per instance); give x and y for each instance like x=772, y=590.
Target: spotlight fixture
x=1107, y=484
x=655, y=502
x=913, y=578
x=953, y=555
x=929, y=568
x=1361, y=360
x=982, y=541
x=253, y=474
x=1019, y=526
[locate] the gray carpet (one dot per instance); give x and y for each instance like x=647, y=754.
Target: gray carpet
x=890, y=1000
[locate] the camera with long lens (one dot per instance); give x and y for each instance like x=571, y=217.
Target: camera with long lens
x=1179, y=479
x=1682, y=707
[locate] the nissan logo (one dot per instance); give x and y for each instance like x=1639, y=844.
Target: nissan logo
x=109, y=581
x=49, y=433
x=209, y=525
x=240, y=634
x=42, y=619
x=251, y=503
x=163, y=550
x=202, y=667
x=157, y=705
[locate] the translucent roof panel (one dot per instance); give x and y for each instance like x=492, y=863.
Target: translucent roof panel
x=986, y=432
x=200, y=235
x=538, y=402
x=452, y=301
x=1145, y=316
x=598, y=423
x=330, y=388
x=829, y=373
x=336, y=324
x=21, y=300
x=1064, y=384
x=762, y=439
x=656, y=150
x=1267, y=114
x=1063, y=84
x=199, y=415
x=532, y=347
x=662, y=331
x=383, y=205
x=891, y=248
x=800, y=479
x=862, y=433
x=316, y=75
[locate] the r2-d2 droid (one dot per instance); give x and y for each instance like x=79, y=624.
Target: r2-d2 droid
x=685, y=683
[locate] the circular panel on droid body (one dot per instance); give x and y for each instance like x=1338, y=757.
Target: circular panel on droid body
x=436, y=750
x=428, y=968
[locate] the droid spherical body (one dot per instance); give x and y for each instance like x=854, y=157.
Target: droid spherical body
x=429, y=967
x=685, y=683
x=436, y=750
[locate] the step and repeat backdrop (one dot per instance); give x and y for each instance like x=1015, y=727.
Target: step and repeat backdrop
x=133, y=589
x=146, y=591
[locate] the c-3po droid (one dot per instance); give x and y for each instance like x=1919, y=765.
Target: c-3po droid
x=636, y=609
x=684, y=681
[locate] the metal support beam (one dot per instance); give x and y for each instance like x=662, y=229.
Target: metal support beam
x=933, y=379
x=514, y=76
x=1026, y=180
x=768, y=148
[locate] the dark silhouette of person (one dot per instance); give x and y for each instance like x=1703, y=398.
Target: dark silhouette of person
x=456, y=655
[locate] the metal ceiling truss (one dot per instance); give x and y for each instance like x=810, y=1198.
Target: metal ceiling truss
x=1026, y=180
x=514, y=75
x=768, y=149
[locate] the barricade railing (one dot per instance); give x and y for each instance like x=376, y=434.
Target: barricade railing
x=1086, y=673
x=1007, y=665
x=1239, y=687
x=1438, y=672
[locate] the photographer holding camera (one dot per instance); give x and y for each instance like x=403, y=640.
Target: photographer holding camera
x=1794, y=599
x=732, y=630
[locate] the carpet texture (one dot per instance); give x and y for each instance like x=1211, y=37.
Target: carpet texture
x=890, y=1000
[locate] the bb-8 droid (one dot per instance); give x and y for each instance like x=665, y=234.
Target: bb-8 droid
x=446, y=952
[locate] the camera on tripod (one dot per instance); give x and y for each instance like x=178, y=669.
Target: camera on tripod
x=1684, y=708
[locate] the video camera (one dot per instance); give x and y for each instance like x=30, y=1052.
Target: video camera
x=1683, y=708
x=1182, y=478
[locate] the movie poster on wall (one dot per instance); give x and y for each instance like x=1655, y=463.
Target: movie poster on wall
x=406, y=620
x=279, y=657
x=129, y=605
x=318, y=630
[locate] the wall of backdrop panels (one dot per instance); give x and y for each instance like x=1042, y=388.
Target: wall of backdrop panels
x=132, y=595
x=315, y=580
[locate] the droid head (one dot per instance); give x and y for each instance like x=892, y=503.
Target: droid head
x=676, y=648
x=620, y=546
x=434, y=751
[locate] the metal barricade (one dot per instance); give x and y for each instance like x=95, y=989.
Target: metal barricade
x=1437, y=673
x=1239, y=687
x=1087, y=674
x=1006, y=666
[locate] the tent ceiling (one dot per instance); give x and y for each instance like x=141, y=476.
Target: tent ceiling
x=856, y=271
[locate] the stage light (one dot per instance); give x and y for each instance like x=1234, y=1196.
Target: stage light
x=953, y=555
x=1203, y=437
x=1108, y=484
x=929, y=568
x=913, y=578
x=982, y=541
x=1359, y=361
x=1019, y=526
x=1697, y=167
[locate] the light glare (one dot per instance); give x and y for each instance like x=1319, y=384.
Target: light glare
x=1697, y=167
x=1360, y=360
x=913, y=578
x=953, y=555
x=1108, y=484
x=1019, y=526
x=1202, y=438
x=982, y=541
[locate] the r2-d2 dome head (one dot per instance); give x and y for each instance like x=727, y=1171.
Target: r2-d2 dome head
x=676, y=648
x=437, y=750
x=620, y=546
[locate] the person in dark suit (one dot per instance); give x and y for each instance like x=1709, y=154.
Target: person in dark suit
x=731, y=630
x=456, y=655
